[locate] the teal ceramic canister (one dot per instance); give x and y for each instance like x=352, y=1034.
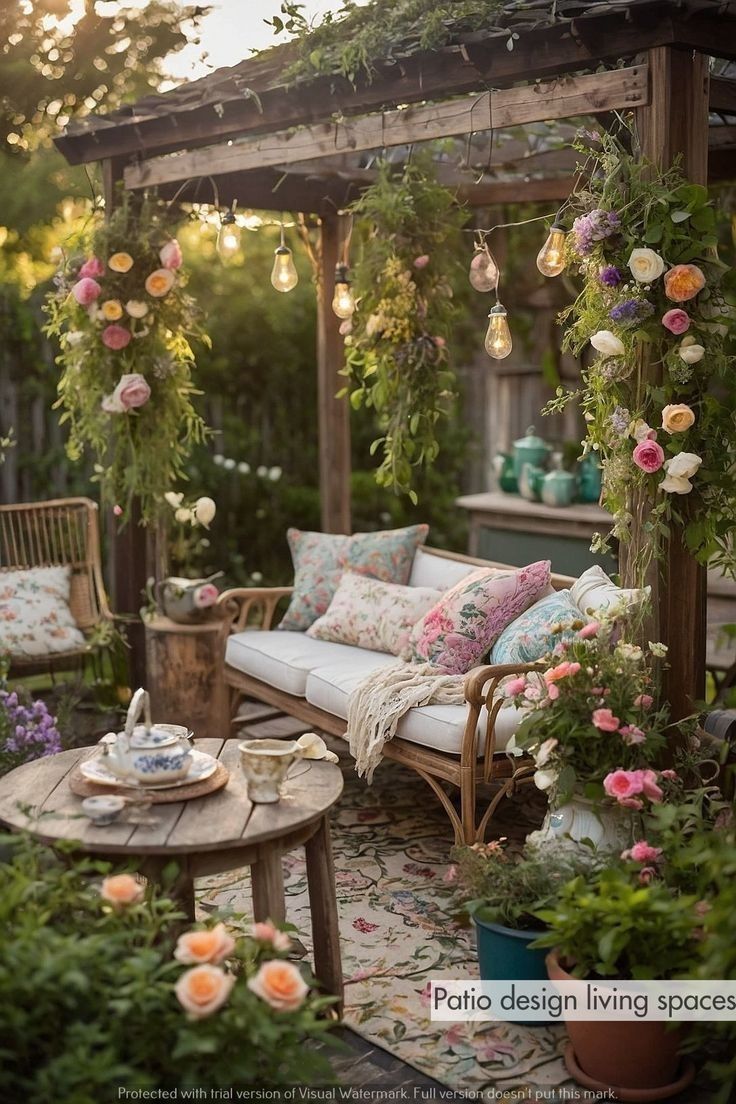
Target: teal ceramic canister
x=504, y=955
x=589, y=478
x=558, y=488
x=503, y=466
x=530, y=450
x=530, y=482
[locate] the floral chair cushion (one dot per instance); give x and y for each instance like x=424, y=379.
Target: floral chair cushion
x=533, y=635
x=374, y=615
x=35, y=619
x=321, y=558
x=466, y=622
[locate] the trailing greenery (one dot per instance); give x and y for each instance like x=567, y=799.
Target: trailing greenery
x=396, y=348
x=658, y=307
x=353, y=39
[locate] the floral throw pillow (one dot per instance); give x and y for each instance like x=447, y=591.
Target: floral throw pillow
x=533, y=635
x=35, y=619
x=321, y=558
x=469, y=618
x=374, y=615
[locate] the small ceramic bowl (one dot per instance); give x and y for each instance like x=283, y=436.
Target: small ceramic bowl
x=103, y=808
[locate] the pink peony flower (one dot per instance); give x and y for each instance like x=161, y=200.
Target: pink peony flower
x=589, y=631
x=421, y=262
x=115, y=337
x=649, y=785
x=170, y=254
x=86, y=290
x=622, y=784
x=515, y=686
x=649, y=456
x=676, y=320
x=644, y=701
x=605, y=720
x=643, y=852
x=93, y=266
x=632, y=734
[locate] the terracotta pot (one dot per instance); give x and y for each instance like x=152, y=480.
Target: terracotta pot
x=637, y=1061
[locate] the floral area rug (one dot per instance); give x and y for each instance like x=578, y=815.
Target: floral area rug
x=391, y=842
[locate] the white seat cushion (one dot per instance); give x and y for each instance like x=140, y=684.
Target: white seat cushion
x=439, y=572
x=434, y=726
x=284, y=659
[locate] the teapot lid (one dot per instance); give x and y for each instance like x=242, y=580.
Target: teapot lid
x=155, y=736
x=531, y=440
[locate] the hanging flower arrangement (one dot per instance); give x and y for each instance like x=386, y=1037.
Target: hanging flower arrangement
x=397, y=341
x=658, y=398
x=125, y=325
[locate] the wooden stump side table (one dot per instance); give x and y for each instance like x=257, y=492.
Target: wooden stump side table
x=208, y=835
x=184, y=675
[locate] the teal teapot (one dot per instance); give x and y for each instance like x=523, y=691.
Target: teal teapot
x=589, y=478
x=530, y=450
x=503, y=466
x=559, y=486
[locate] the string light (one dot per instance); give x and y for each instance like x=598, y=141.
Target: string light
x=483, y=273
x=284, y=275
x=228, y=238
x=343, y=301
x=498, y=342
x=551, y=257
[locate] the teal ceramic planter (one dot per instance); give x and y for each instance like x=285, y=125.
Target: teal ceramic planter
x=504, y=954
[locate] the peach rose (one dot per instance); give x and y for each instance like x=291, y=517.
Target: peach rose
x=213, y=945
x=280, y=984
x=122, y=890
x=111, y=310
x=121, y=262
x=266, y=932
x=203, y=989
x=683, y=282
x=160, y=282
x=677, y=418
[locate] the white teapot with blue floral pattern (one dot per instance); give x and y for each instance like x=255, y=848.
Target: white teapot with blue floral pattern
x=145, y=753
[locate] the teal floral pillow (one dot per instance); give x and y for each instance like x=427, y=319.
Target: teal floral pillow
x=321, y=558
x=539, y=629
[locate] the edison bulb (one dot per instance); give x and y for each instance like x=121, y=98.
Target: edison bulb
x=483, y=273
x=343, y=301
x=228, y=238
x=551, y=257
x=498, y=338
x=284, y=275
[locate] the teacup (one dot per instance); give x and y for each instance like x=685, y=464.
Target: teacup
x=264, y=764
x=103, y=809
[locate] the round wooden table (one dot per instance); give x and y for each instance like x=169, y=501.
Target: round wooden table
x=207, y=835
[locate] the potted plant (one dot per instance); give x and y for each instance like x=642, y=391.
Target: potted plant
x=592, y=728
x=502, y=893
x=624, y=923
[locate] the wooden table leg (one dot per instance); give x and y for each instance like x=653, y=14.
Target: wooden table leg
x=267, y=878
x=323, y=905
x=182, y=889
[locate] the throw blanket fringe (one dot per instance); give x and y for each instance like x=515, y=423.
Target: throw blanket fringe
x=377, y=705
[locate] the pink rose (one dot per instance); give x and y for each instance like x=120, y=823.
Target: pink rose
x=649, y=456
x=649, y=785
x=86, y=290
x=205, y=596
x=644, y=701
x=115, y=337
x=622, y=784
x=631, y=802
x=589, y=631
x=670, y=775
x=643, y=852
x=93, y=266
x=515, y=686
x=553, y=691
x=266, y=932
x=132, y=391
x=421, y=262
x=632, y=734
x=676, y=320
x=170, y=254
x=605, y=720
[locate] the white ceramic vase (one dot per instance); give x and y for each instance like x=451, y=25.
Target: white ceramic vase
x=608, y=827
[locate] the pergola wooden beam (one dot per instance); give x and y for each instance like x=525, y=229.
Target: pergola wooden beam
x=723, y=95
x=559, y=99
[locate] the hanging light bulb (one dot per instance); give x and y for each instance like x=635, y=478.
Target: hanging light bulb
x=284, y=275
x=498, y=337
x=228, y=238
x=483, y=273
x=343, y=302
x=551, y=257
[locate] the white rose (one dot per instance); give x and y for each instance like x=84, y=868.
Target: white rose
x=204, y=511
x=691, y=354
x=174, y=499
x=544, y=752
x=646, y=265
x=544, y=779
x=607, y=343
x=683, y=466
x=675, y=485
x=136, y=308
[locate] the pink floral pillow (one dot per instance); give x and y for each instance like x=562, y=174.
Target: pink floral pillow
x=374, y=615
x=466, y=622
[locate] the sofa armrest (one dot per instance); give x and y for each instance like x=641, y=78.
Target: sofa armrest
x=479, y=677
x=480, y=688
x=254, y=605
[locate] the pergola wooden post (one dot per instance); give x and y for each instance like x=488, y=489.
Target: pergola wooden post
x=333, y=415
x=675, y=121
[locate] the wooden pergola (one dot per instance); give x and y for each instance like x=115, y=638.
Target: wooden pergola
x=244, y=132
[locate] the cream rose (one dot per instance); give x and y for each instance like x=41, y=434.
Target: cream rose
x=122, y=890
x=545, y=779
x=691, y=352
x=683, y=466
x=204, y=511
x=136, y=308
x=203, y=989
x=607, y=343
x=121, y=262
x=674, y=485
x=213, y=945
x=646, y=265
x=160, y=282
x=279, y=984
x=677, y=418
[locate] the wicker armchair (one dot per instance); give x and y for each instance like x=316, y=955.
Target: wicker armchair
x=61, y=532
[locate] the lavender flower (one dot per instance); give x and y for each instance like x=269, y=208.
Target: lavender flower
x=610, y=276
x=27, y=730
x=595, y=226
x=631, y=310
x=620, y=420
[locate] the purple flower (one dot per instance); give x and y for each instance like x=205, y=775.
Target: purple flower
x=610, y=276
x=620, y=420
x=595, y=226
x=631, y=310
x=27, y=731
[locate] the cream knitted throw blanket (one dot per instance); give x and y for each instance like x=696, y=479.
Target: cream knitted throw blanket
x=377, y=705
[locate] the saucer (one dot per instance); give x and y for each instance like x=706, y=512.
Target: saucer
x=94, y=770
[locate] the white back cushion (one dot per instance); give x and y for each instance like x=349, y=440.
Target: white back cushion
x=437, y=571
x=595, y=593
